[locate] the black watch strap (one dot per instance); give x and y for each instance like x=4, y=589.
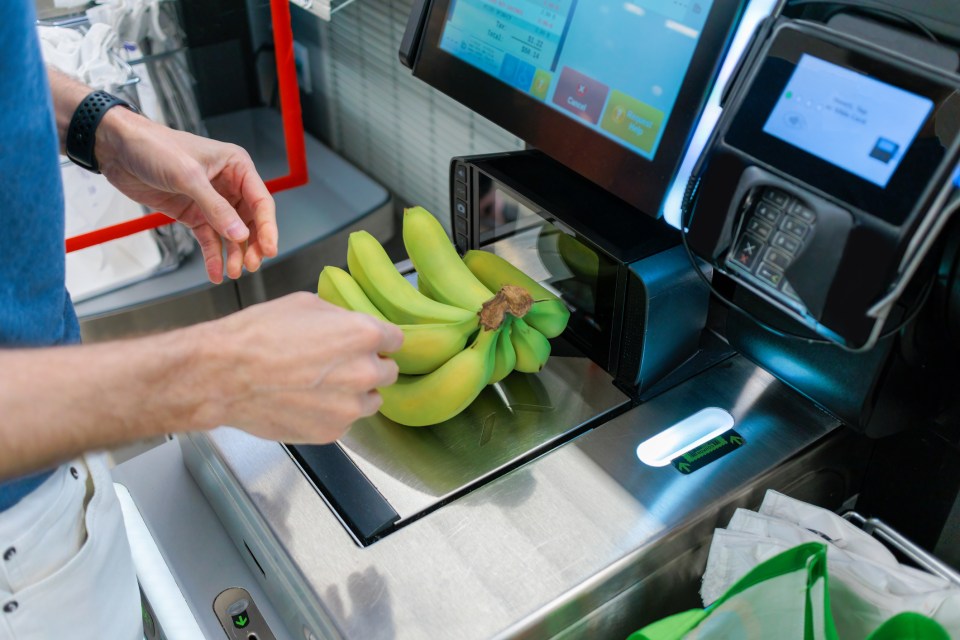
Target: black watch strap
x=82, y=132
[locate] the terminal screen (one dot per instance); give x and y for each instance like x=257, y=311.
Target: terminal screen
x=616, y=67
x=850, y=120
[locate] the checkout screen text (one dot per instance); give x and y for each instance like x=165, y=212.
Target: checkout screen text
x=849, y=119
x=617, y=67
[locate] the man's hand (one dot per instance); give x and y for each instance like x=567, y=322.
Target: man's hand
x=211, y=187
x=295, y=369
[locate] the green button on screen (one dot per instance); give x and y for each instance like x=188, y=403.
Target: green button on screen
x=541, y=83
x=634, y=122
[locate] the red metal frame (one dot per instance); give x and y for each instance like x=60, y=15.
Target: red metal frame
x=292, y=134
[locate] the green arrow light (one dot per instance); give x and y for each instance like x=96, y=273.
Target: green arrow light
x=241, y=621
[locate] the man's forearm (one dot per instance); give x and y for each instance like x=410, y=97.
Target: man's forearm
x=67, y=94
x=62, y=401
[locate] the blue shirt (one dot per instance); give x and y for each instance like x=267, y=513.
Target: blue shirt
x=35, y=309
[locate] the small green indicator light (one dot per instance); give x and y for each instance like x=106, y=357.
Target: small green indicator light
x=241, y=620
x=708, y=452
x=789, y=94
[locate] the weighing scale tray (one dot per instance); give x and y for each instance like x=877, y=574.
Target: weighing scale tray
x=583, y=540
x=382, y=475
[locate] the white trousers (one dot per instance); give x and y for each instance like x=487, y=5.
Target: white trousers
x=65, y=564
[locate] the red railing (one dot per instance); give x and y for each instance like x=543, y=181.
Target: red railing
x=292, y=135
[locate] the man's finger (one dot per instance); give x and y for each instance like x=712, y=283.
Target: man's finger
x=389, y=372
x=392, y=338
x=210, y=246
x=262, y=209
x=215, y=209
x=234, y=260
x=253, y=256
x=370, y=403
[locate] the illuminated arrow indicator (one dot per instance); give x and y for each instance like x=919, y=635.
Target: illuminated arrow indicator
x=710, y=451
x=240, y=621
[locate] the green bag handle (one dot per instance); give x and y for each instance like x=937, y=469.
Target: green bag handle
x=811, y=556
x=909, y=626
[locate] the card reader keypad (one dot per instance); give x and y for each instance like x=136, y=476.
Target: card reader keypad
x=773, y=233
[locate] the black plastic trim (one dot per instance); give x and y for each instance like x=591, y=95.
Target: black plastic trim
x=363, y=509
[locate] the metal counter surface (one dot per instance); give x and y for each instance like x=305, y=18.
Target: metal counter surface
x=527, y=555
x=414, y=469
x=197, y=551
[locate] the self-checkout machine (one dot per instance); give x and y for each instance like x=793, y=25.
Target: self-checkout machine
x=812, y=171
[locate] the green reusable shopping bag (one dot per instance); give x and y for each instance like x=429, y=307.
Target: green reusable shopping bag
x=785, y=598
x=910, y=626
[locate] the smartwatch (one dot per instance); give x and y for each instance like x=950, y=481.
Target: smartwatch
x=82, y=132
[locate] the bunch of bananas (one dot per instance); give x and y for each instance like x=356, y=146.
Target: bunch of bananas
x=467, y=324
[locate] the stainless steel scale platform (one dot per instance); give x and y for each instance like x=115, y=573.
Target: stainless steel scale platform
x=536, y=525
x=381, y=475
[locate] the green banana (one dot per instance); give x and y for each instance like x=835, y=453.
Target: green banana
x=548, y=315
x=419, y=401
x=453, y=301
x=338, y=287
x=436, y=260
x=425, y=346
x=424, y=287
x=389, y=291
x=531, y=346
x=505, y=356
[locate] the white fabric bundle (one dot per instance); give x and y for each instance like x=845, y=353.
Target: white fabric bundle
x=867, y=583
x=87, y=56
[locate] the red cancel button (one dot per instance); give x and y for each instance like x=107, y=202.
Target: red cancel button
x=581, y=95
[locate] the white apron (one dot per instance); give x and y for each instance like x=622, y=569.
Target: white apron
x=65, y=564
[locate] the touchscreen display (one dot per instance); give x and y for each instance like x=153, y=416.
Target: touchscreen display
x=850, y=120
x=616, y=67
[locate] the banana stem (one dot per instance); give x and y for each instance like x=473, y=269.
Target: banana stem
x=510, y=299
